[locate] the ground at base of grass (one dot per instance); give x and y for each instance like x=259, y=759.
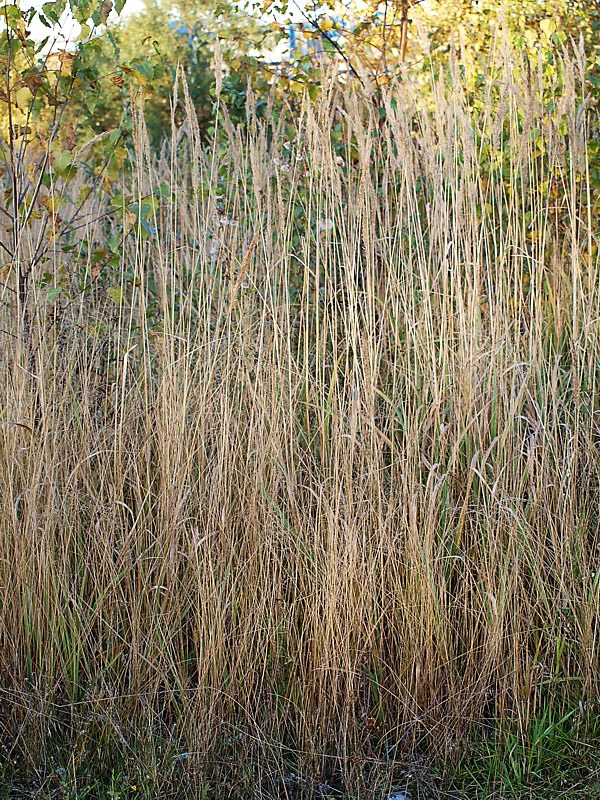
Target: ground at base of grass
x=551, y=766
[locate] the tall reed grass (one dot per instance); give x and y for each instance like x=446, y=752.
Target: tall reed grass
x=320, y=491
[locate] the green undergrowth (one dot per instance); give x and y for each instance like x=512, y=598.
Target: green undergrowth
x=556, y=755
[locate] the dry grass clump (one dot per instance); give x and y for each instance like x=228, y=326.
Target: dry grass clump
x=325, y=484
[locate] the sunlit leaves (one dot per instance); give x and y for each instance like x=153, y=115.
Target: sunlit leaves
x=45, y=147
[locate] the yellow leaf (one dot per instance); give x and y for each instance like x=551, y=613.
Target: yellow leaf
x=548, y=27
x=23, y=97
x=52, y=204
x=61, y=61
x=530, y=37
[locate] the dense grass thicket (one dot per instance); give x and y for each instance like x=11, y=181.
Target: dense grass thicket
x=305, y=497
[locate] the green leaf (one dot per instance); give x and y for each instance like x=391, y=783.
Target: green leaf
x=114, y=243
x=62, y=163
x=143, y=72
x=114, y=136
x=83, y=194
x=54, y=10
x=53, y=292
x=116, y=294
